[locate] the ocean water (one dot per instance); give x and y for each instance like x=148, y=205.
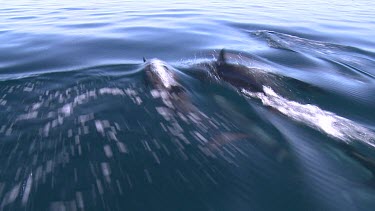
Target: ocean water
x=83, y=127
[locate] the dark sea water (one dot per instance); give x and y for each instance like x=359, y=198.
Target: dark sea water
x=83, y=128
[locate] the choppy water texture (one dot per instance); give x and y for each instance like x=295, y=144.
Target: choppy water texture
x=83, y=128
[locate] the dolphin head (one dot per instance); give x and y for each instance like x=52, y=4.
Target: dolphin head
x=161, y=76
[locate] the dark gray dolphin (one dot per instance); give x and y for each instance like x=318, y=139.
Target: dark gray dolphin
x=242, y=77
x=163, y=80
x=254, y=78
x=239, y=76
x=162, y=76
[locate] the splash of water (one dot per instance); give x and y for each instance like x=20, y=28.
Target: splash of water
x=315, y=117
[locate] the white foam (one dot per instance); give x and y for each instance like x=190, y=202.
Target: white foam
x=155, y=93
x=67, y=109
x=36, y=106
x=121, y=147
x=30, y=115
x=46, y=129
x=3, y=102
x=108, y=151
x=10, y=196
x=28, y=89
x=99, y=126
x=80, y=99
x=315, y=117
x=106, y=171
x=112, y=91
x=26, y=193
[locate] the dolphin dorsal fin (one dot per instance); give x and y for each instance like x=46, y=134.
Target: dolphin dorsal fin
x=144, y=59
x=221, y=58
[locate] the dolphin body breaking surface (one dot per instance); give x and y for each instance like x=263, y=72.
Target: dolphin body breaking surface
x=252, y=83
x=270, y=88
x=178, y=109
x=162, y=76
x=251, y=73
x=237, y=75
x=225, y=69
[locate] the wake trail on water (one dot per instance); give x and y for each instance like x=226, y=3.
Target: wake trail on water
x=311, y=115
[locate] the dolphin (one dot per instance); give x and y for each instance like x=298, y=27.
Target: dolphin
x=162, y=76
x=163, y=80
x=164, y=83
x=253, y=79
x=239, y=76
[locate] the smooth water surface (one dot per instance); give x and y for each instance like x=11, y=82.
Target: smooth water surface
x=81, y=128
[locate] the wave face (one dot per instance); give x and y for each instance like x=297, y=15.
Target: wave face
x=83, y=127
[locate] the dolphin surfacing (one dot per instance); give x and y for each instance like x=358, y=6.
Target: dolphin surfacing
x=162, y=76
x=237, y=75
x=164, y=83
x=178, y=106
